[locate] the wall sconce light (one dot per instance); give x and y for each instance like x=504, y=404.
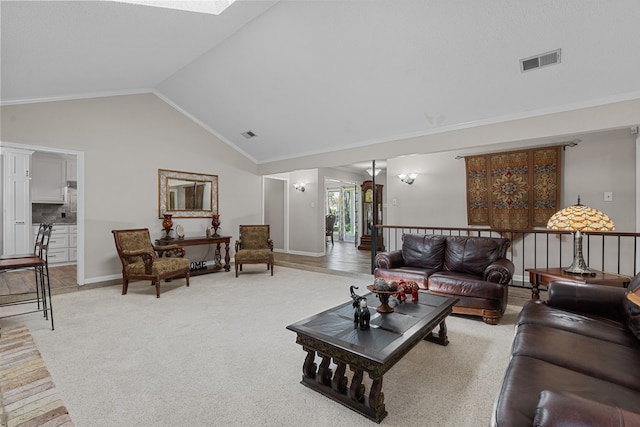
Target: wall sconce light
x=408, y=178
x=299, y=186
x=371, y=172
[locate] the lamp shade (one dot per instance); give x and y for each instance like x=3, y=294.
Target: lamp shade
x=580, y=218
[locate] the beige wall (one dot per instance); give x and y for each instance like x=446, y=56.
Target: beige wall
x=481, y=136
x=603, y=161
x=125, y=140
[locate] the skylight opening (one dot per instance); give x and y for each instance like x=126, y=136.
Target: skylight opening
x=211, y=7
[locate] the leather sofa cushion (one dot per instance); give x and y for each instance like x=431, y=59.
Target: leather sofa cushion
x=450, y=283
x=527, y=377
x=471, y=255
x=423, y=251
x=557, y=409
x=590, y=356
x=539, y=313
x=631, y=309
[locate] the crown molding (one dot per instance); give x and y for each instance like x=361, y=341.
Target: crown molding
x=73, y=97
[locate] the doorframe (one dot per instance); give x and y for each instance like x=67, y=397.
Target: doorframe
x=341, y=183
x=80, y=203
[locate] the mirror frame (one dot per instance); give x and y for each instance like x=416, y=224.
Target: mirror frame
x=163, y=193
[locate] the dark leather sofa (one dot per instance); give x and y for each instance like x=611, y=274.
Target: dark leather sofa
x=473, y=269
x=575, y=360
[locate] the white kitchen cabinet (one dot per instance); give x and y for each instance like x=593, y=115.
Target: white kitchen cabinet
x=62, y=243
x=73, y=243
x=49, y=178
x=72, y=170
x=17, y=201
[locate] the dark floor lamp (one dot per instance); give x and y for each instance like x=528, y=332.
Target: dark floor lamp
x=578, y=219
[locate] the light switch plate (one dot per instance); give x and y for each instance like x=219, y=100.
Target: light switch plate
x=608, y=196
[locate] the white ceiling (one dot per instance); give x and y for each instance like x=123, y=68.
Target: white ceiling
x=313, y=76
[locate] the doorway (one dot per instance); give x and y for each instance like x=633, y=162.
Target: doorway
x=275, y=211
x=341, y=202
x=75, y=192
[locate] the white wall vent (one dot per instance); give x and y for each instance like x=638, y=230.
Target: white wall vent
x=541, y=60
x=248, y=134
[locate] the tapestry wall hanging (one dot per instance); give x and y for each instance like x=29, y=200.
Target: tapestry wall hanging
x=515, y=190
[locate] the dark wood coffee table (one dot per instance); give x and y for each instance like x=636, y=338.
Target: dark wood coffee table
x=331, y=335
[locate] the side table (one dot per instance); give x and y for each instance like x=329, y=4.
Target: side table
x=197, y=241
x=542, y=276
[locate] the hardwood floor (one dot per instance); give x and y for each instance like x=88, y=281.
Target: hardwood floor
x=342, y=258
x=61, y=278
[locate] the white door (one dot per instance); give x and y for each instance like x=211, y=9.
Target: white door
x=16, y=201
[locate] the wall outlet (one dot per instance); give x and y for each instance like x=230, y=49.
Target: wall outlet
x=608, y=196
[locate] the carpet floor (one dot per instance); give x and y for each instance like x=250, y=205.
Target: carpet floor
x=217, y=354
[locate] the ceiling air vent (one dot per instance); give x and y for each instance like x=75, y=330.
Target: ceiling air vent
x=248, y=134
x=542, y=60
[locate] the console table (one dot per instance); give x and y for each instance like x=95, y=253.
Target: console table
x=542, y=276
x=199, y=241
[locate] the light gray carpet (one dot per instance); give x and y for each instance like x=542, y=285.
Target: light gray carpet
x=218, y=354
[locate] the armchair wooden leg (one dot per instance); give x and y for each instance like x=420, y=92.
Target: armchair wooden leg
x=271, y=269
x=236, y=269
x=157, y=283
x=188, y=274
x=125, y=286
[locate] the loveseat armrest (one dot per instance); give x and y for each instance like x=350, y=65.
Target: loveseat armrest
x=500, y=271
x=389, y=260
x=605, y=301
x=566, y=409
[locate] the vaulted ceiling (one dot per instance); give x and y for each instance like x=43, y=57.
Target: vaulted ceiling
x=314, y=76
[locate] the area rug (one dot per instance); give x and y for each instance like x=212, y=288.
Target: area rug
x=218, y=353
x=28, y=396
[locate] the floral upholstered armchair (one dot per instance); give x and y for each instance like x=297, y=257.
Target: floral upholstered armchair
x=143, y=261
x=254, y=247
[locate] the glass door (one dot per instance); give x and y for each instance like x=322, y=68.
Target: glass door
x=341, y=202
x=349, y=214
x=334, y=196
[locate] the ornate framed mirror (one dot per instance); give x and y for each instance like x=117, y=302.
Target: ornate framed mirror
x=187, y=195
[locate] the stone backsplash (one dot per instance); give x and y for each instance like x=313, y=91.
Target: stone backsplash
x=60, y=214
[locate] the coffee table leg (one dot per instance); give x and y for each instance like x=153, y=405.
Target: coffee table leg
x=441, y=337
x=376, y=396
x=324, y=372
x=339, y=382
x=357, y=388
x=309, y=367
x=336, y=385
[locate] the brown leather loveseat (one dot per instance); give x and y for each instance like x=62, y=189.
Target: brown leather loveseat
x=575, y=360
x=473, y=269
